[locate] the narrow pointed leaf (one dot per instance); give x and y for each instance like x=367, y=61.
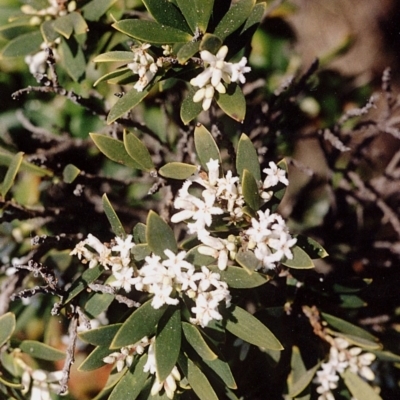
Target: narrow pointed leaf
x=11, y=173
x=13, y=385
x=132, y=383
x=248, y=328
x=256, y=16
x=358, y=387
x=167, y=344
x=112, y=217
x=159, y=235
x=247, y=158
x=222, y=369
x=7, y=323
x=138, y=151
x=115, y=56
x=151, y=32
x=98, y=303
x=311, y=247
x=93, y=10
x=239, y=278
x=197, y=341
x=6, y=159
x=42, y=351
x=141, y=323
x=206, y=147
x=23, y=45
x=250, y=190
x=95, y=359
x=197, y=13
x=197, y=380
x=102, y=336
x=234, y=18
x=189, y=109
x=300, y=260
x=177, y=170
x=121, y=73
x=232, y=102
x=114, y=149
x=166, y=13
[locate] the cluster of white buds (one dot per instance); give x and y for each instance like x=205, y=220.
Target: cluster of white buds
x=55, y=8
x=217, y=71
x=143, y=65
x=222, y=196
x=38, y=62
x=342, y=357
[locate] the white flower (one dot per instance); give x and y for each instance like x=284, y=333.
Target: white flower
x=162, y=296
x=123, y=246
x=43, y=383
x=123, y=278
x=274, y=176
x=169, y=384
x=238, y=69
x=206, y=309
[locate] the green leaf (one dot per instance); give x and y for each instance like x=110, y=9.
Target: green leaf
x=197, y=341
x=159, y=235
x=115, y=56
x=151, y=32
x=248, y=328
x=167, y=344
x=48, y=32
x=11, y=173
x=71, y=22
x=232, y=102
x=23, y=45
x=189, y=109
x=82, y=282
x=197, y=380
x=300, y=259
x=358, y=387
x=97, y=303
x=197, y=13
x=250, y=190
x=311, y=247
x=93, y=10
x=194, y=257
x=141, y=251
x=247, y=260
x=7, y=323
x=138, y=151
x=210, y=43
x=187, y=51
x=347, y=327
x=247, y=158
x=112, y=217
x=205, y=145
x=114, y=149
x=240, y=278
x=42, y=351
x=70, y=173
x=234, y=18
x=222, y=369
x=139, y=233
x=166, y=13
x=17, y=386
x=112, y=380
x=95, y=359
x=130, y=386
x=386, y=356
x=102, y=336
x=73, y=58
x=128, y=101
x=177, y=170
x=16, y=28
x=120, y=73
x=141, y=323
x=256, y=16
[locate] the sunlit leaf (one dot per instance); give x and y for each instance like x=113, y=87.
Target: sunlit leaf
x=7, y=323
x=358, y=387
x=115, y=56
x=102, y=336
x=23, y=45
x=48, y=32
x=248, y=328
x=232, y=102
x=177, y=170
x=138, y=151
x=197, y=341
x=311, y=247
x=13, y=385
x=40, y=350
x=247, y=260
x=93, y=10
x=11, y=174
x=70, y=173
x=300, y=259
x=197, y=13
x=151, y=32
x=247, y=157
x=95, y=359
x=71, y=22
x=121, y=73
x=206, y=148
x=240, y=278
x=187, y=51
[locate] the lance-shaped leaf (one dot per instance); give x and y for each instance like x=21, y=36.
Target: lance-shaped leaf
x=167, y=344
x=93, y=10
x=189, y=109
x=177, y=170
x=102, y=336
x=248, y=328
x=151, y=32
x=138, y=151
x=222, y=369
x=141, y=323
x=232, y=102
x=197, y=13
x=196, y=378
x=247, y=157
x=98, y=303
x=95, y=359
x=16, y=28
x=159, y=235
x=114, y=149
x=166, y=13
x=6, y=159
x=358, y=387
x=311, y=247
x=234, y=18
x=11, y=174
x=7, y=323
x=197, y=341
x=239, y=278
x=23, y=45
x=300, y=260
x=42, y=351
x=70, y=173
x=132, y=383
x=250, y=190
x=206, y=148
x=71, y=22
x=112, y=217
x=120, y=73
x=115, y=56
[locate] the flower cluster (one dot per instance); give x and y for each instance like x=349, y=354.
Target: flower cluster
x=143, y=65
x=342, y=357
x=222, y=196
x=216, y=71
x=55, y=8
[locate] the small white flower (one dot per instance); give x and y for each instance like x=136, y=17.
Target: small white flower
x=169, y=384
x=123, y=278
x=238, y=69
x=274, y=176
x=123, y=246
